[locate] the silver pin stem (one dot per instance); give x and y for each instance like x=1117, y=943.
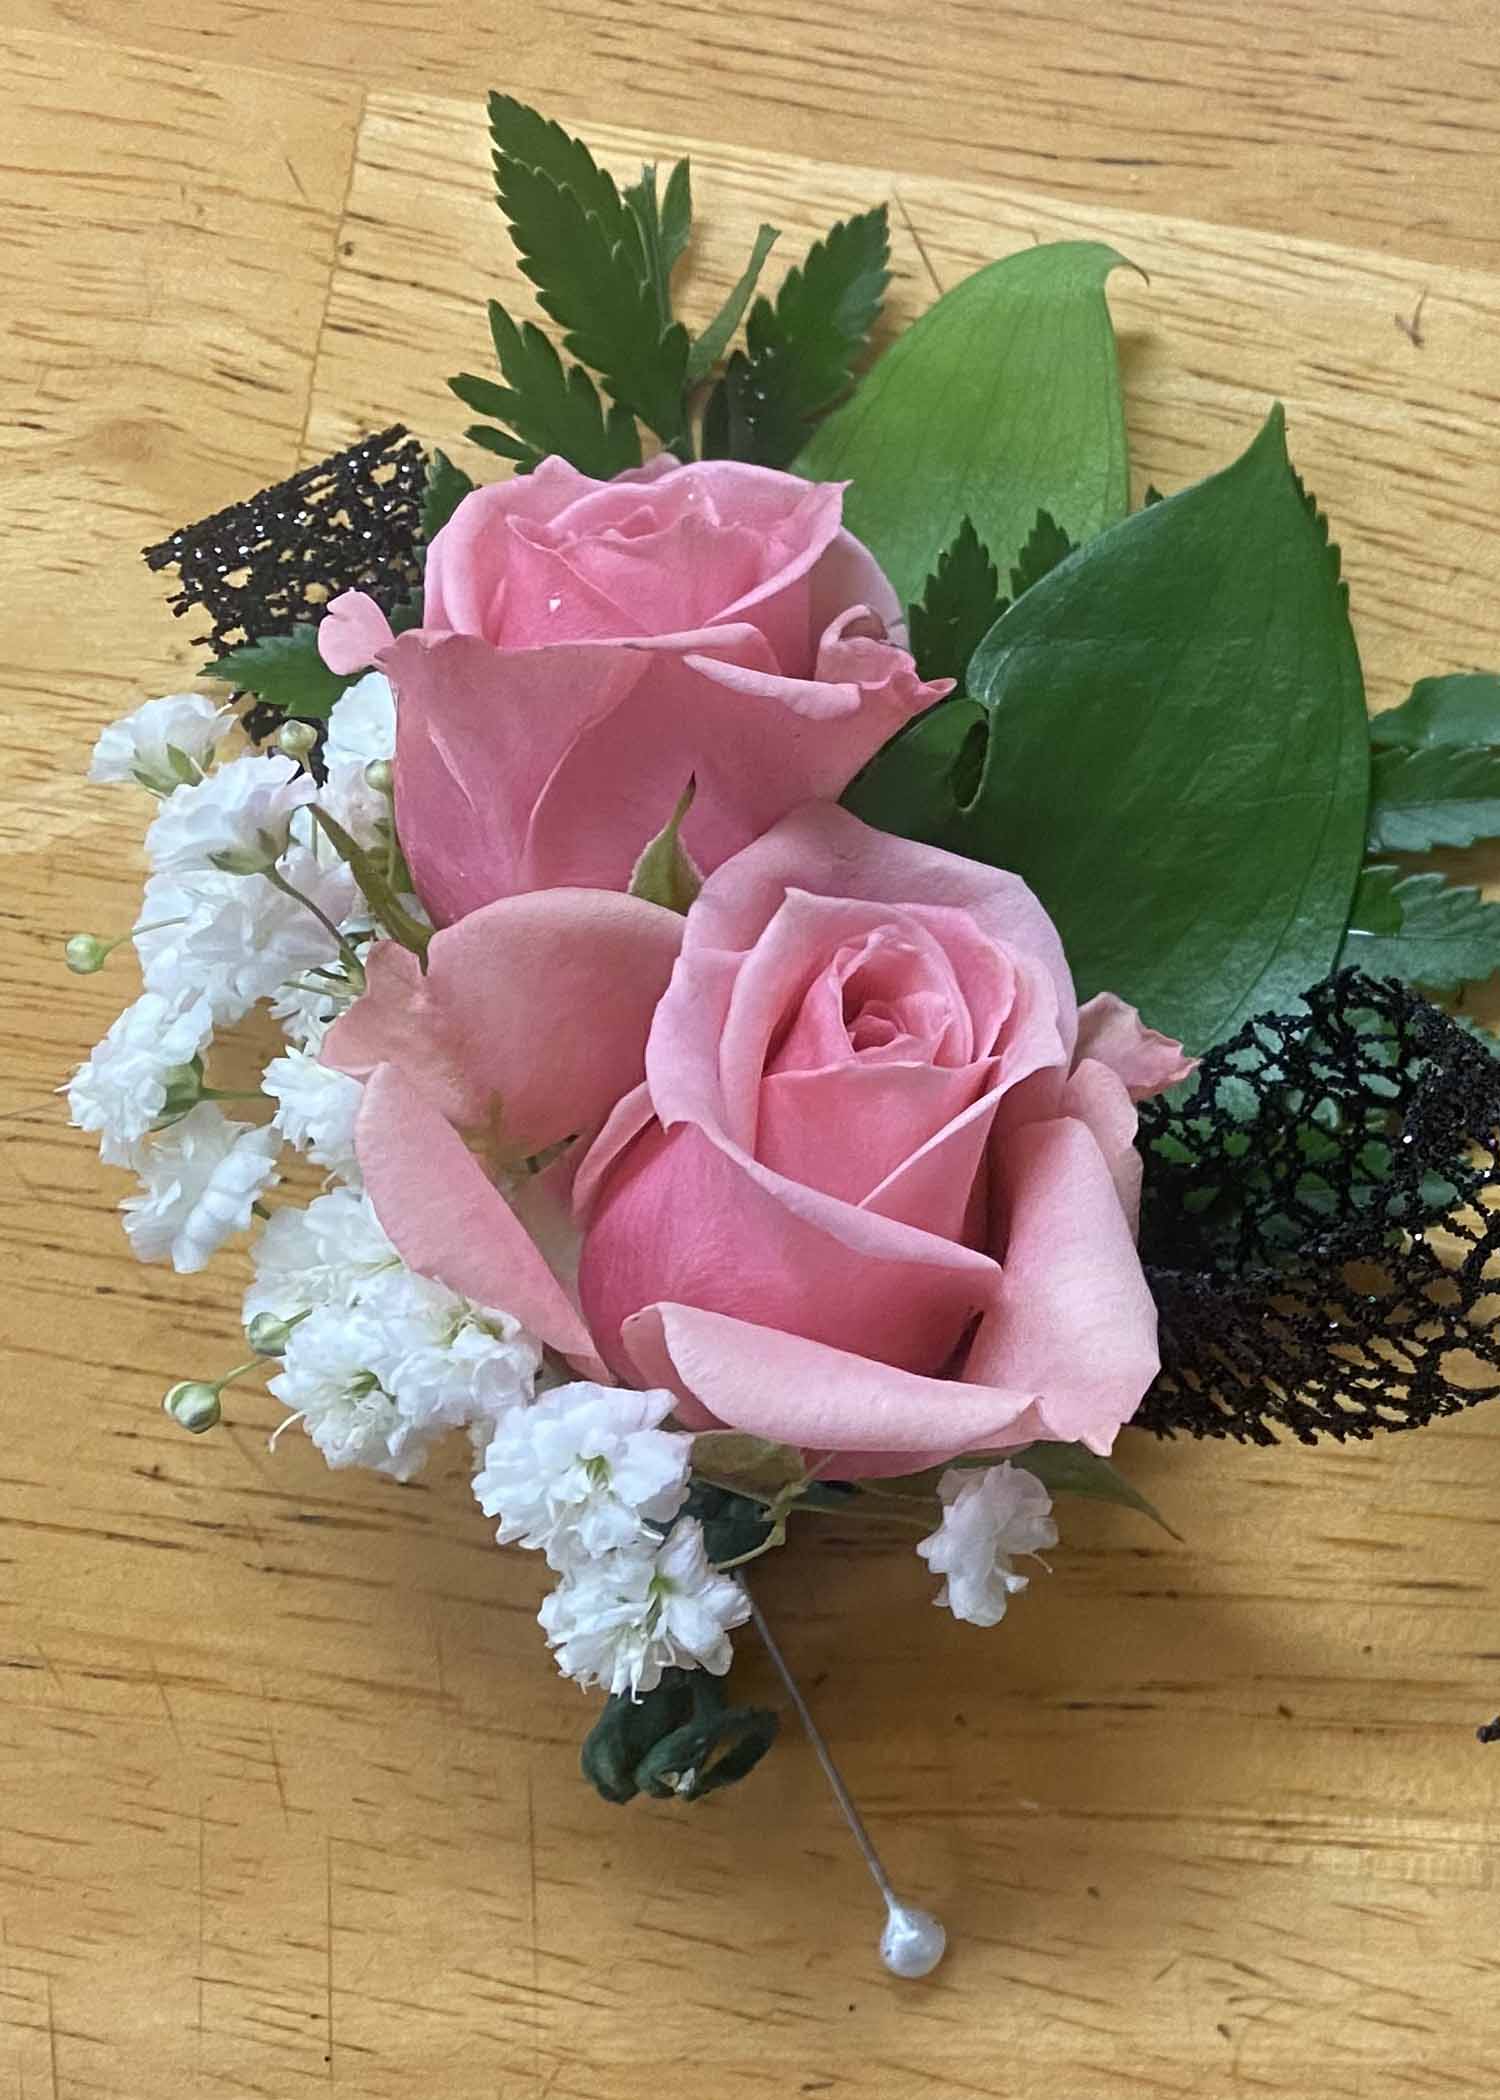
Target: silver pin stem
x=913, y=1942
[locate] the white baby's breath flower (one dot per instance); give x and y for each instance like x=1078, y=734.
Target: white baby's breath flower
x=244, y=809
x=378, y=1380
x=579, y=1473
x=361, y=730
x=140, y=747
x=988, y=1515
x=316, y=1108
x=199, y=1180
x=326, y=1254
x=621, y=1620
x=122, y=1089
x=236, y=938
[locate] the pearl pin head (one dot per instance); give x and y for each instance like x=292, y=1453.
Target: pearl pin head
x=913, y=1942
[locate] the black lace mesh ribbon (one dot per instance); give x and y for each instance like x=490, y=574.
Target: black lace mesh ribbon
x=1321, y=1223
x=351, y=523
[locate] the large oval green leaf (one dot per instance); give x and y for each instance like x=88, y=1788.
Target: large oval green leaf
x=1002, y=400
x=1177, y=758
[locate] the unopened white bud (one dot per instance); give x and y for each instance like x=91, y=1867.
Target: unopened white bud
x=86, y=953
x=192, y=1404
x=296, y=739
x=268, y=1333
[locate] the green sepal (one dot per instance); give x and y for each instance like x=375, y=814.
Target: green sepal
x=665, y=873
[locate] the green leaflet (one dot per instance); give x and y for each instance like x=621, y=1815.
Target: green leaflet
x=1422, y=929
x=1002, y=400
x=800, y=349
x=548, y=406
x=1436, y=795
x=447, y=486
x=1172, y=750
x=710, y=346
x=285, y=670
x=1463, y=708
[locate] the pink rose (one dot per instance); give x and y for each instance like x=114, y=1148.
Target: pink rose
x=589, y=647
x=859, y=1176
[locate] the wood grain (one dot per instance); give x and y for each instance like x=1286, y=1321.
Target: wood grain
x=289, y=1800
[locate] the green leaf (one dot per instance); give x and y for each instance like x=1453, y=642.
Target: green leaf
x=800, y=350
x=1002, y=400
x=1436, y=795
x=284, y=669
x=680, y=1740
x=1463, y=708
x=447, y=486
x=1072, y=1469
x=1423, y=929
x=710, y=346
x=747, y=1465
x=665, y=873
x=548, y=406
x=960, y=604
x=666, y=226
x=1176, y=759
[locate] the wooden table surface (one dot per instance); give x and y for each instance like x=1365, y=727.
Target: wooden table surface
x=287, y=1788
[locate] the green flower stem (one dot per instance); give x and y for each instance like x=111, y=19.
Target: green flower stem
x=352, y=964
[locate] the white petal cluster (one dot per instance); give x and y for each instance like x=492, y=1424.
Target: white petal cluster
x=199, y=1181
x=325, y=1255
x=988, y=1516
x=361, y=729
x=141, y=746
x=121, y=1091
x=242, y=809
x=378, y=1378
x=622, y=1619
x=236, y=938
x=316, y=1108
x=583, y=1472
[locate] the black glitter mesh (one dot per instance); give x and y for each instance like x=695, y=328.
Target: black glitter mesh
x=262, y=567
x=1321, y=1223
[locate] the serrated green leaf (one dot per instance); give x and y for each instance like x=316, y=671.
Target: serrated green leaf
x=447, y=486
x=800, y=349
x=961, y=602
x=665, y=873
x=285, y=670
x=1436, y=795
x=1176, y=758
x=1046, y=545
x=1463, y=708
x=548, y=406
x=1072, y=1469
x=1423, y=929
x=1002, y=400
x=710, y=346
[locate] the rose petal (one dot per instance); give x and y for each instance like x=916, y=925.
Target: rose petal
x=540, y=1004
x=1115, y=1035
x=767, y=1383
x=352, y=633
x=447, y=1220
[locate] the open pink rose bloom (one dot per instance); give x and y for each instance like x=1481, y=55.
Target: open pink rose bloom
x=843, y=1164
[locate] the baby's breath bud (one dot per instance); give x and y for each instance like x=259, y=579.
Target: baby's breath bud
x=296, y=739
x=268, y=1334
x=193, y=1404
x=86, y=953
